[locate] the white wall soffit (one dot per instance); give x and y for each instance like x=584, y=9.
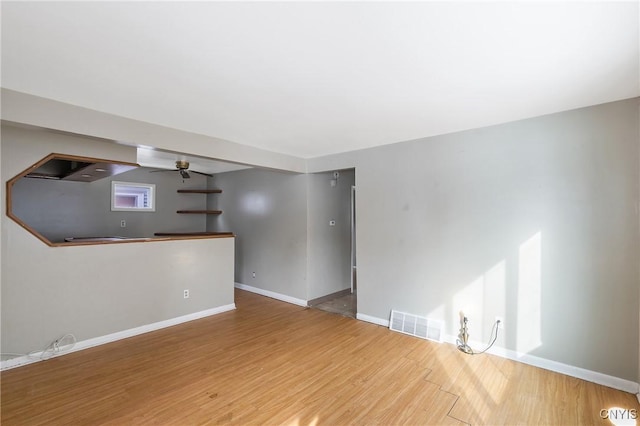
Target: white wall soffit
x=155, y=158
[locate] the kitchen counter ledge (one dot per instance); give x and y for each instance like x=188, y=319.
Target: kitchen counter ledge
x=159, y=236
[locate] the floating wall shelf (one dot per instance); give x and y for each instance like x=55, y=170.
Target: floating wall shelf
x=199, y=191
x=199, y=211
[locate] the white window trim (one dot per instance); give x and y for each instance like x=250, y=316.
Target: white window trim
x=148, y=186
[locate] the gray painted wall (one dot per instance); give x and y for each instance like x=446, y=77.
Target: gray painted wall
x=535, y=221
x=95, y=290
x=267, y=211
x=59, y=209
x=281, y=222
x=444, y=222
x=329, y=247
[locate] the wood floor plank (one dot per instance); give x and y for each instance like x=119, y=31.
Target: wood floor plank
x=270, y=362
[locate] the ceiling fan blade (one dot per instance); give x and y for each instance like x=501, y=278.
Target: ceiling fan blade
x=162, y=170
x=200, y=173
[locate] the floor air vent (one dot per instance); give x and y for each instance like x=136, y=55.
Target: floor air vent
x=417, y=326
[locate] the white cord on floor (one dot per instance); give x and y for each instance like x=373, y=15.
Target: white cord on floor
x=59, y=345
x=56, y=346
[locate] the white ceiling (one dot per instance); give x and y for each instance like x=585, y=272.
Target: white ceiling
x=315, y=78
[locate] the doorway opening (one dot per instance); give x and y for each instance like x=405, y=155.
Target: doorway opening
x=345, y=301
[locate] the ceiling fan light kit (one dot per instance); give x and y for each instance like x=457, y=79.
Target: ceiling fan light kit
x=182, y=166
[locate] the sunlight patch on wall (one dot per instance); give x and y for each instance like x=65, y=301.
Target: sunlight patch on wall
x=470, y=301
x=529, y=294
x=496, y=291
x=482, y=300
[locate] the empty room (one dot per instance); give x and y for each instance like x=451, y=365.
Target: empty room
x=309, y=213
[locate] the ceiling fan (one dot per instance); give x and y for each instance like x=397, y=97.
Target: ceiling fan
x=182, y=167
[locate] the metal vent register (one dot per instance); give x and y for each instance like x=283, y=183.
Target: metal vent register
x=417, y=326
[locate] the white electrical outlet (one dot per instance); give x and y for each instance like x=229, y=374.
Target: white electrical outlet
x=123, y=224
x=186, y=294
x=501, y=323
x=253, y=274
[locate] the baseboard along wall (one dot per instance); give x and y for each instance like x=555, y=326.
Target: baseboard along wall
x=558, y=367
x=96, y=341
x=273, y=294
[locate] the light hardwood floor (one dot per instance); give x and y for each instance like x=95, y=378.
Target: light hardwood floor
x=270, y=362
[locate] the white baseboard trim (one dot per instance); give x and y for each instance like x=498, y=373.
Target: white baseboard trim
x=558, y=367
x=555, y=366
x=272, y=294
x=96, y=341
x=373, y=320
